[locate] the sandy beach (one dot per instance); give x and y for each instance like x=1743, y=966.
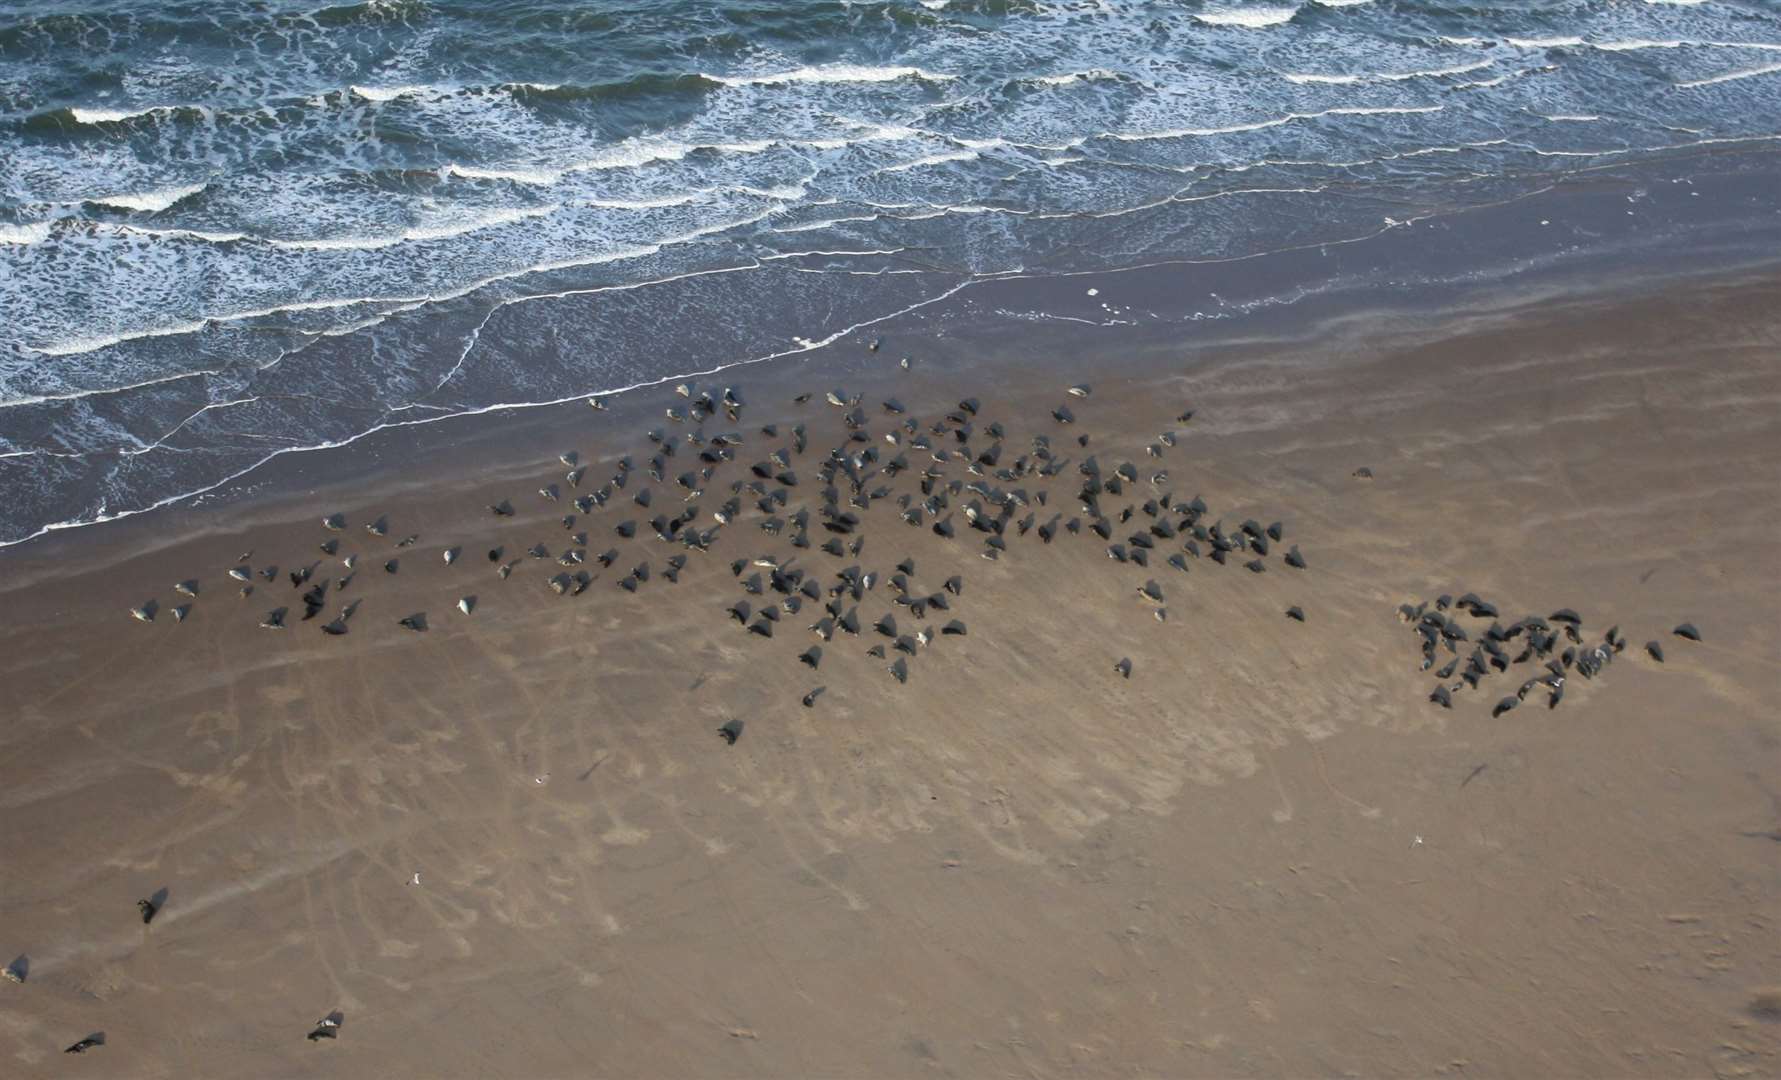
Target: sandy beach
x=515, y=844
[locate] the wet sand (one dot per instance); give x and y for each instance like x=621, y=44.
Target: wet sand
x=1265, y=853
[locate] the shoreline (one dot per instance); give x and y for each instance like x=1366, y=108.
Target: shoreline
x=1507, y=253
x=273, y=487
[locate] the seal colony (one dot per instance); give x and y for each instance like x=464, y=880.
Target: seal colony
x=967, y=475
x=1553, y=646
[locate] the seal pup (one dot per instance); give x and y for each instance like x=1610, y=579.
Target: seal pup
x=336, y=628
x=380, y=527
x=504, y=508
x=18, y=970
x=97, y=1038
x=328, y=1027
x=731, y=731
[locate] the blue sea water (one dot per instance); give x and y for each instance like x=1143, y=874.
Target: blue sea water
x=230, y=230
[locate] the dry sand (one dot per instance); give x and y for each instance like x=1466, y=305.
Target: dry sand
x=1263, y=854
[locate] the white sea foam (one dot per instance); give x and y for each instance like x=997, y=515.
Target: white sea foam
x=1343, y=3
x=1632, y=44
x=1073, y=77
x=832, y=73
x=1571, y=118
x=1544, y=43
x=1333, y=80
x=150, y=202
x=111, y=116
x=641, y=204
x=1389, y=76
x=1732, y=76
x=421, y=234
x=28, y=233
x=803, y=254
x=1251, y=18
x=930, y=160
x=72, y=346
x=631, y=153
x=182, y=234
x=541, y=177
x=1176, y=133
x=387, y=93
x=824, y=223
